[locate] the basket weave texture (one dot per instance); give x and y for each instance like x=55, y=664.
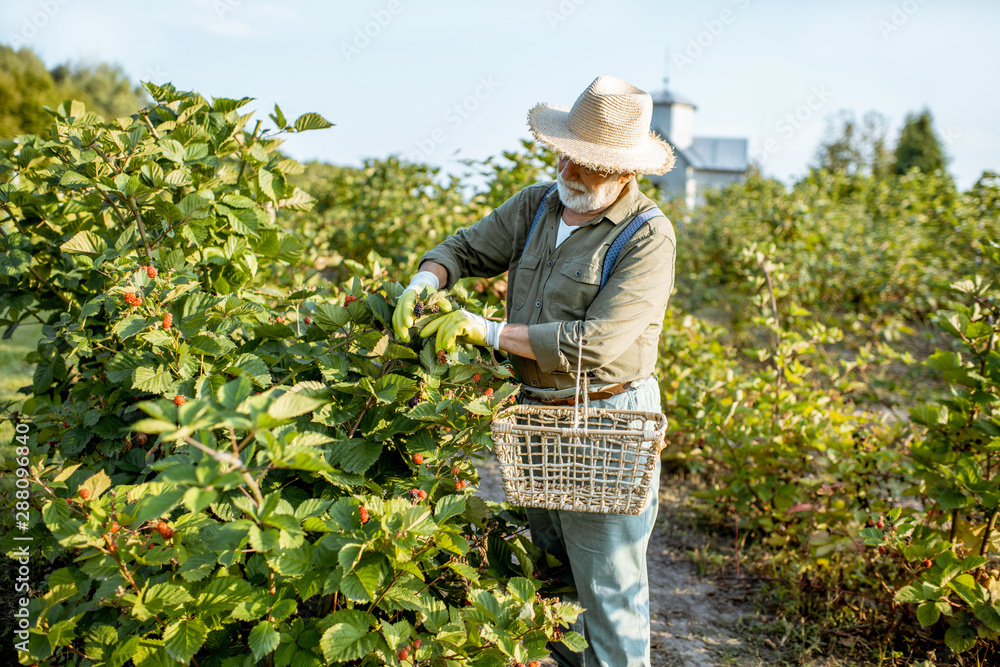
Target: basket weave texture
x=604, y=464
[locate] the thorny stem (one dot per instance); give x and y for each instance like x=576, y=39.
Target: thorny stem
x=145, y=117
x=954, y=526
x=988, y=533
x=778, y=374
x=233, y=460
x=142, y=228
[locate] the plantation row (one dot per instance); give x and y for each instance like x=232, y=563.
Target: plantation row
x=234, y=459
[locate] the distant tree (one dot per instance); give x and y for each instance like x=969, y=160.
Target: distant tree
x=25, y=87
x=105, y=89
x=919, y=146
x=853, y=147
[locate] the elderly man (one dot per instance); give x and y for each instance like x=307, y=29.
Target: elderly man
x=592, y=265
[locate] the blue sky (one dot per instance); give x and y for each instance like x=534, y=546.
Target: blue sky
x=445, y=80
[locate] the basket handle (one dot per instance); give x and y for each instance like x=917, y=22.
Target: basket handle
x=586, y=389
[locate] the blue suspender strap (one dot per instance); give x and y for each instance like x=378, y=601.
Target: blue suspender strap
x=538, y=216
x=612, y=255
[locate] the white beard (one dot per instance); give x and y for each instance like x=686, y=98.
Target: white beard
x=579, y=199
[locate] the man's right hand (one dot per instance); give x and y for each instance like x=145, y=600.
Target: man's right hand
x=404, y=316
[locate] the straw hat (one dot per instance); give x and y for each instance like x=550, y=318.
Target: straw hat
x=607, y=129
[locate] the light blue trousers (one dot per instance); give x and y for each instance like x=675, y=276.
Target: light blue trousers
x=606, y=558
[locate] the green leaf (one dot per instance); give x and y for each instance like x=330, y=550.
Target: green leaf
x=154, y=381
x=952, y=500
x=311, y=121
x=908, y=594
x=928, y=613
x=348, y=637
x=293, y=404
x=359, y=455
x=960, y=638
x=85, y=243
x=183, y=638
x=522, y=589
x=361, y=583
x=263, y=639
x=448, y=507
x=156, y=503
x=574, y=641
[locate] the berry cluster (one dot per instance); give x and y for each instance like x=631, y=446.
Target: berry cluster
x=133, y=300
x=441, y=357
x=461, y=484
x=165, y=531
x=280, y=319
x=168, y=321
x=363, y=513
x=350, y=299
x=150, y=271
x=416, y=495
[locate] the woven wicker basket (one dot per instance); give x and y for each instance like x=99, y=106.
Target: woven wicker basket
x=585, y=460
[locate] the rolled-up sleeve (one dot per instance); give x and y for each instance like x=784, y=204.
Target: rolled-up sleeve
x=632, y=304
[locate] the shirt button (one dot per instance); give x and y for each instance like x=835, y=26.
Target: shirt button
x=534, y=383
x=538, y=304
x=577, y=274
x=549, y=263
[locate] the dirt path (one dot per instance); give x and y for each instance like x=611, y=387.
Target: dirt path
x=694, y=620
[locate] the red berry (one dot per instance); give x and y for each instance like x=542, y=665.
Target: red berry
x=423, y=496
x=403, y=654
x=151, y=271
x=115, y=527
x=488, y=391
x=879, y=524
x=65, y=425
x=927, y=563
x=350, y=298
x=84, y=493
x=882, y=550
x=534, y=663
x=180, y=400
x=441, y=356
x=456, y=471
x=165, y=531
x=363, y=513
x=280, y=319
x=168, y=321
x=418, y=458
x=476, y=377
x=309, y=320
x=417, y=644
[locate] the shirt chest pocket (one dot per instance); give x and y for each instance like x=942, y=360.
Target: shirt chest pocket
x=525, y=276
x=573, y=289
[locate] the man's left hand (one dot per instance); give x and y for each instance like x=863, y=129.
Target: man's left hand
x=458, y=326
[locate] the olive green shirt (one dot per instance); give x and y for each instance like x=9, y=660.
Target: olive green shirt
x=555, y=290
